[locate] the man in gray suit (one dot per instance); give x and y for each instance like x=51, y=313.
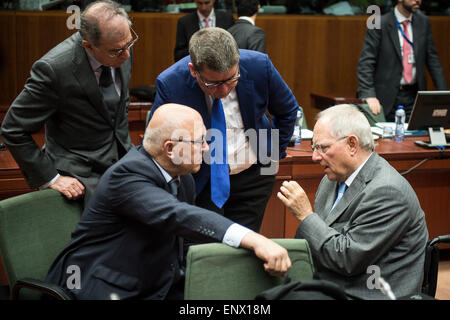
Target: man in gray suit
x=247, y=35
x=79, y=92
x=367, y=220
x=383, y=81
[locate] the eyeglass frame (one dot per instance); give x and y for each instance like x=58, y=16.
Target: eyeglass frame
x=191, y=141
x=118, y=52
x=320, y=148
x=213, y=85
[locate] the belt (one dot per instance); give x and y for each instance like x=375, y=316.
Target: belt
x=405, y=87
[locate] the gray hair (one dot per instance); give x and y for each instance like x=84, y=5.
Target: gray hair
x=345, y=120
x=90, y=24
x=214, y=48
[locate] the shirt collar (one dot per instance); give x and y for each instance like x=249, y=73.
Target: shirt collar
x=211, y=15
x=95, y=65
x=400, y=17
x=247, y=19
x=352, y=177
x=166, y=175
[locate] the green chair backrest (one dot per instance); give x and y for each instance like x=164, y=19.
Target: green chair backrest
x=215, y=271
x=373, y=118
x=34, y=229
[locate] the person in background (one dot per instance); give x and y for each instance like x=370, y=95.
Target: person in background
x=391, y=67
x=367, y=220
x=247, y=35
x=204, y=17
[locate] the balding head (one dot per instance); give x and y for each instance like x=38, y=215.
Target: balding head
x=99, y=21
x=172, y=133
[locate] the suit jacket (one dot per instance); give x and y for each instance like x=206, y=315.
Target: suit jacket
x=380, y=65
x=248, y=36
x=377, y=222
x=62, y=94
x=189, y=24
x=260, y=87
x=127, y=241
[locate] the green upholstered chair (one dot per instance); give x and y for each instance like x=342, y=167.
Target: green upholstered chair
x=215, y=271
x=373, y=118
x=34, y=229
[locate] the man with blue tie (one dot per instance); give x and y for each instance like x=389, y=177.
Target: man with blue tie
x=365, y=213
x=232, y=89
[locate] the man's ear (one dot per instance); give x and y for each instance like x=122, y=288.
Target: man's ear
x=353, y=143
x=168, y=148
x=86, y=44
x=191, y=68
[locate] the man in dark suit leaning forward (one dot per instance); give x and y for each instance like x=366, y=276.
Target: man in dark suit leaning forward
x=79, y=92
x=232, y=89
x=367, y=220
x=128, y=242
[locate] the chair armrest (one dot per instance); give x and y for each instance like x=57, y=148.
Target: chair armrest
x=40, y=286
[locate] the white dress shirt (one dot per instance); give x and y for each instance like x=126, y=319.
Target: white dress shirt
x=212, y=19
x=234, y=234
x=240, y=154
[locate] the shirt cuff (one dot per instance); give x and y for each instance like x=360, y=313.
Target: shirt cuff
x=234, y=235
x=48, y=184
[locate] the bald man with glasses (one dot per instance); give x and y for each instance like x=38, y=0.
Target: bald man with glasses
x=79, y=92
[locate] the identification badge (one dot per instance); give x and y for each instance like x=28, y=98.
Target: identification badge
x=411, y=58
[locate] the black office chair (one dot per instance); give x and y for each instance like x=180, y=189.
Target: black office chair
x=432, y=264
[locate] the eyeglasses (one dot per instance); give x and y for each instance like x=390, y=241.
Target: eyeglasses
x=324, y=148
x=212, y=85
x=202, y=141
x=114, y=53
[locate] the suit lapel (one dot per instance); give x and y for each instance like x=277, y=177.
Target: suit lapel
x=393, y=34
x=358, y=185
x=418, y=38
x=245, y=90
x=86, y=78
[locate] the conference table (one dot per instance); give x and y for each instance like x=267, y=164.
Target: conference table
x=427, y=170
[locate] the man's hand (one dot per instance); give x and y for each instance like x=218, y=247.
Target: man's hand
x=276, y=258
x=374, y=105
x=295, y=199
x=68, y=186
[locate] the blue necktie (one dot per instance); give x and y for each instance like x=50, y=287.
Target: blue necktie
x=220, y=176
x=341, y=190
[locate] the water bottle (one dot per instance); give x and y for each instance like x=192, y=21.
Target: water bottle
x=399, y=124
x=297, y=136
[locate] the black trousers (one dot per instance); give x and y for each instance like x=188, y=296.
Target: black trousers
x=249, y=193
x=405, y=97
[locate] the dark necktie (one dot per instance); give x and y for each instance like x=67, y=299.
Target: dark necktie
x=407, y=66
x=108, y=90
x=173, y=184
x=341, y=190
x=220, y=176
